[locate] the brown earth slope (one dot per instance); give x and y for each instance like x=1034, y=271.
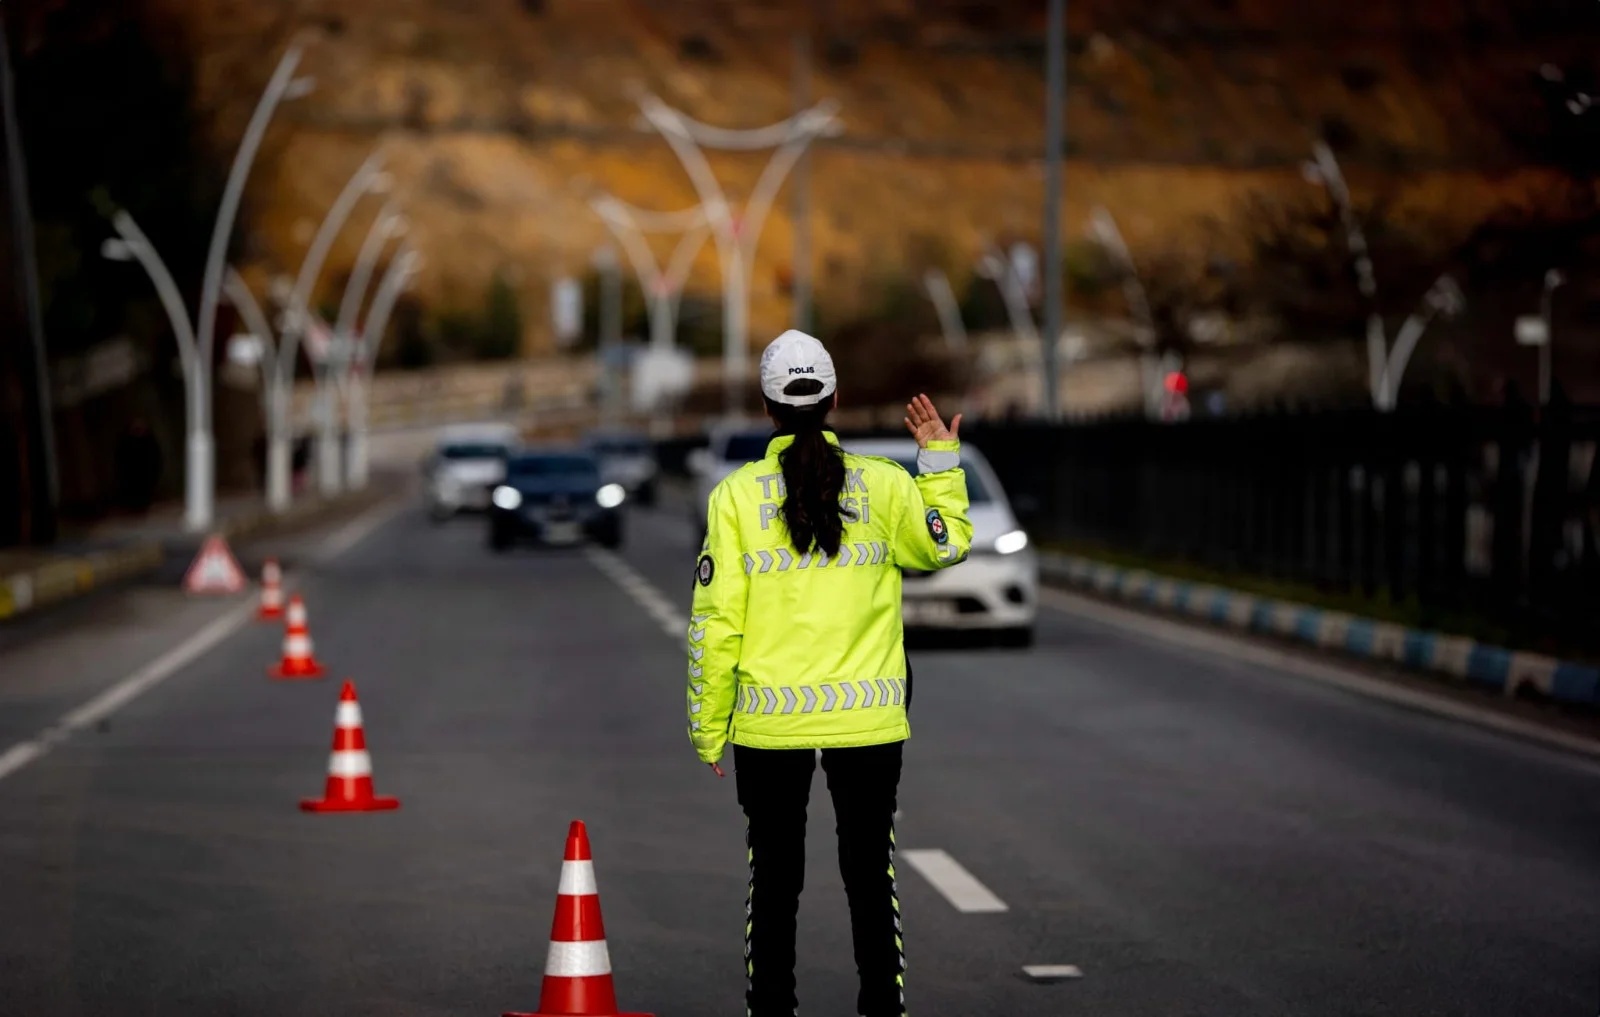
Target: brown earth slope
x=495, y=113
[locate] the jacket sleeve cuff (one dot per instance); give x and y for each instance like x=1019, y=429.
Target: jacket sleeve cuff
x=938, y=457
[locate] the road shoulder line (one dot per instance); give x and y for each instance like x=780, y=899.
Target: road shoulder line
x=1187, y=636
x=169, y=663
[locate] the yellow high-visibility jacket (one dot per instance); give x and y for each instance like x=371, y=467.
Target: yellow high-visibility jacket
x=795, y=651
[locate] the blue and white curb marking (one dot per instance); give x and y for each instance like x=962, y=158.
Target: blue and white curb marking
x=1509, y=671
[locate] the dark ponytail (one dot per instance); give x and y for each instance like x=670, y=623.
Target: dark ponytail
x=813, y=473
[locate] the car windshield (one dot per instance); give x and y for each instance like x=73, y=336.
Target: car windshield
x=977, y=494
x=746, y=448
x=473, y=450
x=551, y=467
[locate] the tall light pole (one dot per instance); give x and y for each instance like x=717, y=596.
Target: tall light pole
x=1103, y=230
x=1386, y=365
x=201, y=480
x=736, y=237
x=1055, y=115
x=368, y=178
x=332, y=373
x=610, y=345
x=195, y=343
x=944, y=304
x=801, y=190
x=237, y=293
x=1552, y=279
x=663, y=287
x=402, y=268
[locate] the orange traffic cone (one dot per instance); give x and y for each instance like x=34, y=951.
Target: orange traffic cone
x=271, y=591
x=297, y=659
x=349, y=767
x=577, y=971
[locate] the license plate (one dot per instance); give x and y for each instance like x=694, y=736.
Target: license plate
x=561, y=533
x=927, y=612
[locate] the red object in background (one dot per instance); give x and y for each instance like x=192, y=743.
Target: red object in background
x=298, y=660
x=349, y=787
x=1177, y=382
x=215, y=569
x=577, y=973
x=271, y=591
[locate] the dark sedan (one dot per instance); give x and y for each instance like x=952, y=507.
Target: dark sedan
x=554, y=498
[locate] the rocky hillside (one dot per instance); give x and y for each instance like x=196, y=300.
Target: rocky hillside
x=496, y=113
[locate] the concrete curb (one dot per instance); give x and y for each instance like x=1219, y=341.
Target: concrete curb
x=75, y=575
x=1508, y=671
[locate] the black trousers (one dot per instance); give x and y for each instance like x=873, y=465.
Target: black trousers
x=774, y=789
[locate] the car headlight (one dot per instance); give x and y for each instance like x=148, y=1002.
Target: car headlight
x=1010, y=543
x=610, y=496
x=507, y=498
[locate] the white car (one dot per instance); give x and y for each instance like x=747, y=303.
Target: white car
x=994, y=590
x=729, y=449
x=466, y=463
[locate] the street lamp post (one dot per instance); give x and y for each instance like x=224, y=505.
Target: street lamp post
x=1552, y=279
x=1385, y=366
x=332, y=374
x=736, y=237
x=610, y=344
x=1055, y=116
x=1103, y=230
x=402, y=267
x=368, y=178
x=196, y=341
x=944, y=304
x=664, y=287
x=238, y=294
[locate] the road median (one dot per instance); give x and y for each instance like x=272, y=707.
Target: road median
x=1461, y=659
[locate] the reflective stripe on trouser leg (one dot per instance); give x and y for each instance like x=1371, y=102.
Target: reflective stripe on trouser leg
x=749, y=917
x=899, y=929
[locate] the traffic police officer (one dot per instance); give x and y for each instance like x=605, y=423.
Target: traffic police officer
x=796, y=645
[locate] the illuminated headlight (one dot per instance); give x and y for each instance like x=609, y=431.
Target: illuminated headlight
x=507, y=498
x=1010, y=543
x=610, y=496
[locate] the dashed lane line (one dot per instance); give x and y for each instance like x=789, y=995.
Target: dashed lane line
x=958, y=886
x=174, y=660
x=661, y=610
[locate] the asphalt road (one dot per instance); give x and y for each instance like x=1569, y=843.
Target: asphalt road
x=1198, y=836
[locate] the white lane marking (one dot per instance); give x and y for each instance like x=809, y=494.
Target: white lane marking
x=655, y=603
x=958, y=886
x=1051, y=972
x=358, y=529
x=111, y=699
x=164, y=666
x=1190, y=638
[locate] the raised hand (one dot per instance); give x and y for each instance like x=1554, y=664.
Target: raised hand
x=925, y=424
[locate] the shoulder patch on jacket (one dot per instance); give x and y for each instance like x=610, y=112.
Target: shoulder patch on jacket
x=936, y=527
x=705, y=570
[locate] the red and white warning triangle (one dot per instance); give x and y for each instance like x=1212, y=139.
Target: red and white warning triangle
x=215, y=570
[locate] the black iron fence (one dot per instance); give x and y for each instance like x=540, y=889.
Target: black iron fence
x=1456, y=515
x=1483, y=518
